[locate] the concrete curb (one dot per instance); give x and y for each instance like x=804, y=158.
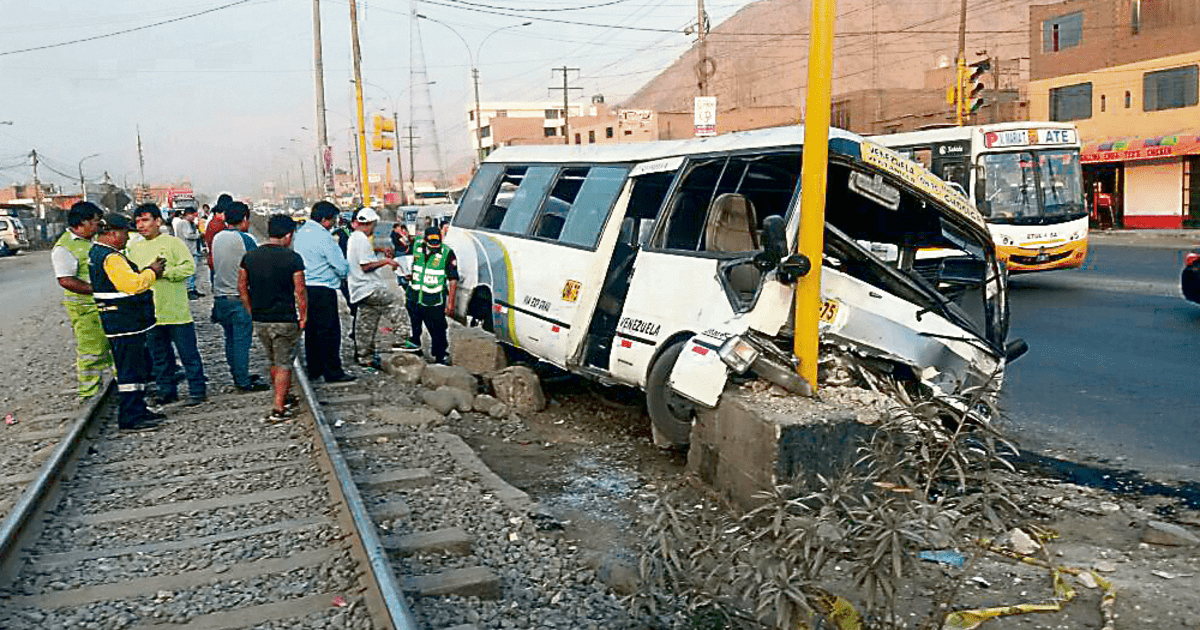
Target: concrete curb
x=509, y=495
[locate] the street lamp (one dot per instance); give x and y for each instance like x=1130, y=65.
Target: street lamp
x=82, y=184
x=303, y=177
x=475, y=75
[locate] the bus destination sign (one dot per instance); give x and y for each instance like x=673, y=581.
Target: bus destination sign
x=1027, y=137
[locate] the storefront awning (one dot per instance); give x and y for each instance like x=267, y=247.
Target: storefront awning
x=1134, y=148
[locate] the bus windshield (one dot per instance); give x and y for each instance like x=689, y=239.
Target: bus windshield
x=1030, y=186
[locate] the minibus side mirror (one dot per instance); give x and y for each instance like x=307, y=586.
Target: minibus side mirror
x=774, y=240
x=1015, y=349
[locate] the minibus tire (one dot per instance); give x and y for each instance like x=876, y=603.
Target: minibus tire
x=671, y=414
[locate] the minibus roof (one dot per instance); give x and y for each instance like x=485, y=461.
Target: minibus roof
x=791, y=135
x=772, y=138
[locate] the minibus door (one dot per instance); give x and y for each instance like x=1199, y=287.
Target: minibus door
x=648, y=186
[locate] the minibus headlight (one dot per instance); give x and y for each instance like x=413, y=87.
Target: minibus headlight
x=738, y=354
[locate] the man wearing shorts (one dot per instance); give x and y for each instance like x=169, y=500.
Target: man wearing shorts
x=271, y=285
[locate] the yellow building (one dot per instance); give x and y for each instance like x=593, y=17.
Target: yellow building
x=1127, y=74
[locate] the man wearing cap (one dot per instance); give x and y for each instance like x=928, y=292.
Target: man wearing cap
x=431, y=292
x=368, y=290
x=70, y=260
x=271, y=287
x=174, y=331
x=325, y=270
x=126, y=305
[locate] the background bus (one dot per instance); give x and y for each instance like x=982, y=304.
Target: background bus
x=1025, y=179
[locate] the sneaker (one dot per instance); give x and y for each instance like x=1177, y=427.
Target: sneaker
x=290, y=402
x=254, y=386
x=407, y=346
x=278, y=416
x=442, y=360
x=156, y=416
x=372, y=364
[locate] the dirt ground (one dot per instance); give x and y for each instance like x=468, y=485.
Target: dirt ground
x=594, y=467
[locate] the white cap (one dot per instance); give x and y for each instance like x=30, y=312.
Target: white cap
x=367, y=215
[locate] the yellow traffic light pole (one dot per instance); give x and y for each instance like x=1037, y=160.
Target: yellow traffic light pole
x=814, y=182
x=358, y=96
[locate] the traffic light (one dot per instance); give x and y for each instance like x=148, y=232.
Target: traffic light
x=975, y=85
x=384, y=137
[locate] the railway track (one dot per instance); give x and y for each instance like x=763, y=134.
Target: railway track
x=220, y=520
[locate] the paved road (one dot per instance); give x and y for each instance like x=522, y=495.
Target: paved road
x=1113, y=373
x=26, y=285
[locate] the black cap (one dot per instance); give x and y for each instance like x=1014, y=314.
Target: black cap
x=113, y=222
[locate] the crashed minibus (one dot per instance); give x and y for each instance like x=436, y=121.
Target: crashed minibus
x=670, y=266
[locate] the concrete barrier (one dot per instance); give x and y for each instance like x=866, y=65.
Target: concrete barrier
x=745, y=446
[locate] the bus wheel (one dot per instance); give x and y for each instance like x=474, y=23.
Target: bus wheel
x=671, y=415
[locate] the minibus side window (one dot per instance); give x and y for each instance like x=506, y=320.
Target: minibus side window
x=587, y=214
x=498, y=205
x=559, y=204
x=527, y=199
x=689, y=207
x=476, y=199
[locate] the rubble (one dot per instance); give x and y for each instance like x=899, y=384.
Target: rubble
x=1168, y=534
x=408, y=368
x=436, y=376
x=519, y=388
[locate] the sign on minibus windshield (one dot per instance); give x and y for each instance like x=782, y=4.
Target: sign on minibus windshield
x=1027, y=137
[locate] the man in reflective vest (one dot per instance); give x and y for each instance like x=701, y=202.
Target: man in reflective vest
x=431, y=291
x=70, y=260
x=126, y=305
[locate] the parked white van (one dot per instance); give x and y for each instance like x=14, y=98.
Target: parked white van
x=668, y=266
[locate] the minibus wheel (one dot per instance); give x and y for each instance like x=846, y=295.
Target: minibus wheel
x=671, y=415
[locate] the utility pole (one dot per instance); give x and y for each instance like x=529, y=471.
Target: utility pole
x=960, y=101
x=399, y=162
x=358, y=96
x=995, y=89
x=141, y=164
x=478, y=120
x=412, y=161
x=37, y=186
x=702, y=48
x=326, y=179
x=566, y=90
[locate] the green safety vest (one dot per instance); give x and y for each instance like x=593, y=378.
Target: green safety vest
x=429, y=275
x=79, y=248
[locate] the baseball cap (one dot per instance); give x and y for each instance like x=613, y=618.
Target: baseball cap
x=432, y=232
x=367, y=215
x=113, y=222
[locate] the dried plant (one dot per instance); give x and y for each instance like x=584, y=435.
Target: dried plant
x=923, y=478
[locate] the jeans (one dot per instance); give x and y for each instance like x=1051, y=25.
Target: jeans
x=164, y=341
x=239, y=330
x=323, y=334
x=191, y=280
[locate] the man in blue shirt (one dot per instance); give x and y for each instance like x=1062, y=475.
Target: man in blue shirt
x=325, y=268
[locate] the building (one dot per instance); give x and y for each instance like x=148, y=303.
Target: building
x=504, y=123
x=1125, y=72
x=757, y=66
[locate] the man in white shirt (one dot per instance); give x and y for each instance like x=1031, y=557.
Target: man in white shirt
x=368, y=289
x=184, y=226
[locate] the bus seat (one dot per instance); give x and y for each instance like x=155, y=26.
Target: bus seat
x=744, y=279
x=731, y=225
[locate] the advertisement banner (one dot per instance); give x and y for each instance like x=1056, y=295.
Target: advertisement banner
x=705, y=116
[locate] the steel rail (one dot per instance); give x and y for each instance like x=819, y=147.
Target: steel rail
x=381, y=569
x=39, y=489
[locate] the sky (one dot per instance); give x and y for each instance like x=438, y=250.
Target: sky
x=223, y=91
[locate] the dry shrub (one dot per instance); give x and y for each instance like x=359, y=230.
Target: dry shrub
x=928, y=474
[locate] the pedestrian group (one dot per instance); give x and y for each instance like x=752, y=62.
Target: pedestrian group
x=128, y=282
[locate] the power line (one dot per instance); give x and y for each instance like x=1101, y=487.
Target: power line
x=128, y=30
x=544, y=10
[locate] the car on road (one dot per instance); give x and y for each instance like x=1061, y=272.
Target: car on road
x=1190, y=279
x=13, y=236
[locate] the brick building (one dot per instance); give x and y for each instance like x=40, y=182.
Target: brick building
x=1125, y=72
